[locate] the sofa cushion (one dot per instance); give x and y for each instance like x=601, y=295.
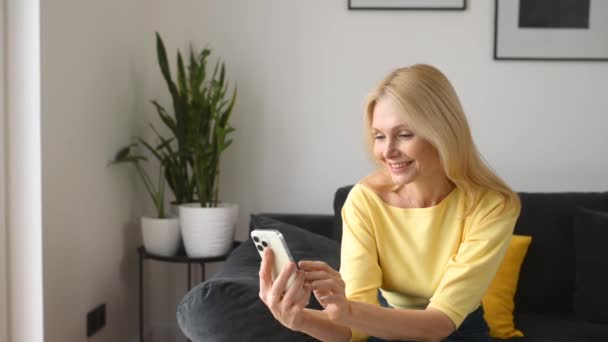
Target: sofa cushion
x=498, y=302
x=558, y=328
x=546, y=282
x=227, y=307
x=590, y=240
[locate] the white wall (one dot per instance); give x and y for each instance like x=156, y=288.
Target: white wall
x=303, y=69
x=3, y=245
x=91, y=105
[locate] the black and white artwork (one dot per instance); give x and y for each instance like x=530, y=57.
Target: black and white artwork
x=407, y=4
x=551, y=30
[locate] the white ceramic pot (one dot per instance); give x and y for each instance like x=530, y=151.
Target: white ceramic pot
x=207, y=232
x=174, y=209
x=161, y=236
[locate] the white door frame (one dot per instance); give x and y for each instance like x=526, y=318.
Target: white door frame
x=4, y=333
x=23, y=200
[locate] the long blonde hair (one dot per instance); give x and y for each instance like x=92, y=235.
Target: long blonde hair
x=433, y=111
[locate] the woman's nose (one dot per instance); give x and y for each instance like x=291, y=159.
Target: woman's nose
x=391, y=149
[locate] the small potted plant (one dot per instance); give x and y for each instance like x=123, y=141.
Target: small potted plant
x=161, y=234
x=201, y=128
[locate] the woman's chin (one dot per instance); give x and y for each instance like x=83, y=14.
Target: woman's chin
x=401, y=179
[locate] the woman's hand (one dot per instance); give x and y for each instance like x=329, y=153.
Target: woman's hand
x=329, y=289
x=286, y=306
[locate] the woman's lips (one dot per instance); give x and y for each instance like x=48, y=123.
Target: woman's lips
x=398, y=167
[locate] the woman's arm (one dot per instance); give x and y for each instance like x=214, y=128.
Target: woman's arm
x=399, y=324
x=371, y=319
x=389, y=324
x=318, y=325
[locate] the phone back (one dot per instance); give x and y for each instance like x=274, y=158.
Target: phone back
x=264, y=238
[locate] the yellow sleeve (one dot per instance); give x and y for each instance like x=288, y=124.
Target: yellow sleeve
x=359, y=258
x=470, y=271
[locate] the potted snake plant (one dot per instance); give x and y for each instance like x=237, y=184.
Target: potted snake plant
x=201, y=127
x=160, y=234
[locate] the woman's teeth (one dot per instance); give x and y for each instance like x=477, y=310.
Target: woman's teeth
x=400, y=165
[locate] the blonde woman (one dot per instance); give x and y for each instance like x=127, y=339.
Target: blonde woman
x=423, y=236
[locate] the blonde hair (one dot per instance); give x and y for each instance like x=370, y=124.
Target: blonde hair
x=433, y=112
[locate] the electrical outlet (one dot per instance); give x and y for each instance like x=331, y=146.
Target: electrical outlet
x=96, y=319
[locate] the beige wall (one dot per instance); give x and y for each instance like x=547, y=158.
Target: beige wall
x=303, y=69
x=3, y=245
x=91, y=105
x=94, y=97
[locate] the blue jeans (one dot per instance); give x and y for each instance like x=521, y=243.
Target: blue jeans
x=473, y=329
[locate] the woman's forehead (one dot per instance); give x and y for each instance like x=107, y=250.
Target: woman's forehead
x=388, y=114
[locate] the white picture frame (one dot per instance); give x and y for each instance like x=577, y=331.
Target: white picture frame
x=512, y=42
x=407, y=4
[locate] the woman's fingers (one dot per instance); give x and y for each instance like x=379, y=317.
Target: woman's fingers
x=293, y=293
x=304, y=296
x=278, y=287
x=319, y=275
x=327, y=285
x=311, y=266
x=286, y=305
x=331, y=299
x=266, y=272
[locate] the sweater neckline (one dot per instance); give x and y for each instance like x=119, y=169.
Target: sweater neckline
x=437, y=206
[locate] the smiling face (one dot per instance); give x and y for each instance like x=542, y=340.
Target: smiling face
x=407, y=157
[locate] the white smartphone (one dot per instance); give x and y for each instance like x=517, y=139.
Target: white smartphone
x=264, y=238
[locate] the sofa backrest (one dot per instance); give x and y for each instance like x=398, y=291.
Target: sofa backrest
x=546, y=281
x=339, y=199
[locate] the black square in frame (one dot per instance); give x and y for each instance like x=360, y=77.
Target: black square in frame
x=554, y=14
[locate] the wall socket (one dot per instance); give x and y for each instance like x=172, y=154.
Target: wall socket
x=96, y=319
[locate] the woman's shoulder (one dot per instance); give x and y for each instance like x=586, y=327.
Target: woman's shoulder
x=378, y=182
x=367, y=190
x=488, y=196
x=492, y=202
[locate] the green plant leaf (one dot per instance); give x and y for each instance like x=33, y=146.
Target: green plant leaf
x=226, y=145
x=164, y=64
x=181, y=76
x=150, y=148
x=222, y=75
x=165, y=118
x=123, y=153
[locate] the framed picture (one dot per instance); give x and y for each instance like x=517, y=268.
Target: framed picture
x=407, y=4
x=560, y=30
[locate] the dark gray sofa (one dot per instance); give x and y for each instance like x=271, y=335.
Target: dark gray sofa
x=559, y=295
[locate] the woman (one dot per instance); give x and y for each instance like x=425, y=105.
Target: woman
x=423, y=236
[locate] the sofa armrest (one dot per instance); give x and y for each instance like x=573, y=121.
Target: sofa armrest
x=227, y=307
x=321, y=224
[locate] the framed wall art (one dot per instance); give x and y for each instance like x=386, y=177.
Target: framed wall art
x=561, y=30
x=407, y=4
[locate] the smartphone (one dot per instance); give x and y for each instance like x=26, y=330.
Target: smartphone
x=265, y=238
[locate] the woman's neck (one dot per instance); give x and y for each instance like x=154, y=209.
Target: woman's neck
x=420, y=195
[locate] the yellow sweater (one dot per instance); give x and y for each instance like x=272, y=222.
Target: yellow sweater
x=423, y=257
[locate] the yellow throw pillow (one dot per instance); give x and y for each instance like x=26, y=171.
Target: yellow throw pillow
x=498, y=301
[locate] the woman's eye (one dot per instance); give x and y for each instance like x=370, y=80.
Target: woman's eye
x=406, y=135
x=378, y=137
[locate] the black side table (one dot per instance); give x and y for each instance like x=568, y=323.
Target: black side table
x=181, y=258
